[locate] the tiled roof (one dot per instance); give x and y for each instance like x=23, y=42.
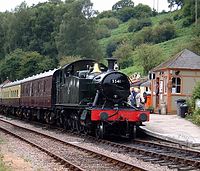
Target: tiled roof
x=183, y=60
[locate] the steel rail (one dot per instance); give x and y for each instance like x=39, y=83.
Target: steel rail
x=103, y=157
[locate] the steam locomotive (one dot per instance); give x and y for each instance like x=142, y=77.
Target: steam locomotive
x=83, y=96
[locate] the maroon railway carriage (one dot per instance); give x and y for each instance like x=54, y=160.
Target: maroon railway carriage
x=36, y=95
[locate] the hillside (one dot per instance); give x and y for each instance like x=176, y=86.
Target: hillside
x=169, y=48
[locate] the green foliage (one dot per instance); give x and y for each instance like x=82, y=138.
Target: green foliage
x=68, y=59
x=102, y=32
x=124, y=53
x=133, y=69
x=164, y=32
x=166, y=20
x=187, y=21
x=194, y=117
x=195, y=95
x=157, y=34
x=122, y=4
x=146, y=22
x=77, y=34
x=194, y=113
x=3, y=167
x=125, y=14
x=20, y=64
x=142, y=11
x=106, y=14
x=148, y=56
x=144, y=36
x=111, y=47
x=196, y=29
x=137, y=25
x=132, y=25
x=172, y=3
x=111, y=23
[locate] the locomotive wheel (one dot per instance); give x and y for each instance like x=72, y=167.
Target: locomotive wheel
x=59, y=119
x=28, y=115
x=79, y=127
x=100, y=130
x=86, y=130
x=66, y=123
x=133, y=132
x=73, y=125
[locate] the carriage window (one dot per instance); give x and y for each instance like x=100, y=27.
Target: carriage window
x=176, y=85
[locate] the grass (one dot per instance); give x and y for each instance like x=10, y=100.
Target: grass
x=169, y=48
x=2, y=164
x=194, y=117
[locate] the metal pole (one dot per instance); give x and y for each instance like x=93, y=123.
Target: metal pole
x=157, y=5
x=196, y=12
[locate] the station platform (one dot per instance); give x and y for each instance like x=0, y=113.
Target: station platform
x=173, y=128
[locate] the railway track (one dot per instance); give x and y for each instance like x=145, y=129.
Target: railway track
x=72, y=156
x=162, y=154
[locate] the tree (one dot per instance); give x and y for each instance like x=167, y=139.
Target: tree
x=164, y=32
x=125, y=14
x=149, y=56
x=142, y=11
x=111, y=47
x=122, y=4
x=136, y=25
x=20, y=64
x=111, y=22
x=2, y=37
x=77, y=32
x=102, y=32
x=124, y=53
x=172, y=3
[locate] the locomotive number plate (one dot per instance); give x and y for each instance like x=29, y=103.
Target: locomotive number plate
x=113, y=81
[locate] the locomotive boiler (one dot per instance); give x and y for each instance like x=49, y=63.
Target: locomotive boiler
x=83, y=96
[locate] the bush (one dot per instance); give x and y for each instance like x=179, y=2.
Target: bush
x=163, y=33
x=125, y=14
x=106, y=14
x=111, y=23
x=187, y=22
x=144, y=36
x=132, y=25
x=142, y=11
x=195, y=114
x=137, y=25
x=102, y=32
x=143, y=23
x=147, y=55
x=176, y=17
x=195, y=117
x=111, y=47
x=196, y=29
x=166, y=20
x=123, y=53
x=195, y=95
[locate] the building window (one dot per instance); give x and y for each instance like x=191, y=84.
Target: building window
x=176, y=85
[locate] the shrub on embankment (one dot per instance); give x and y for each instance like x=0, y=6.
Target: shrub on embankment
x=194, y=112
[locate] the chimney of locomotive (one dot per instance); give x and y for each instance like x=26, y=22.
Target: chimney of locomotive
x=111, y=63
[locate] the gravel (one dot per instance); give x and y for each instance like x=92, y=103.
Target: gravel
x=36, y=159
x=38, y=156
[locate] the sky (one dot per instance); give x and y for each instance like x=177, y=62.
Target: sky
x=100, y=5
